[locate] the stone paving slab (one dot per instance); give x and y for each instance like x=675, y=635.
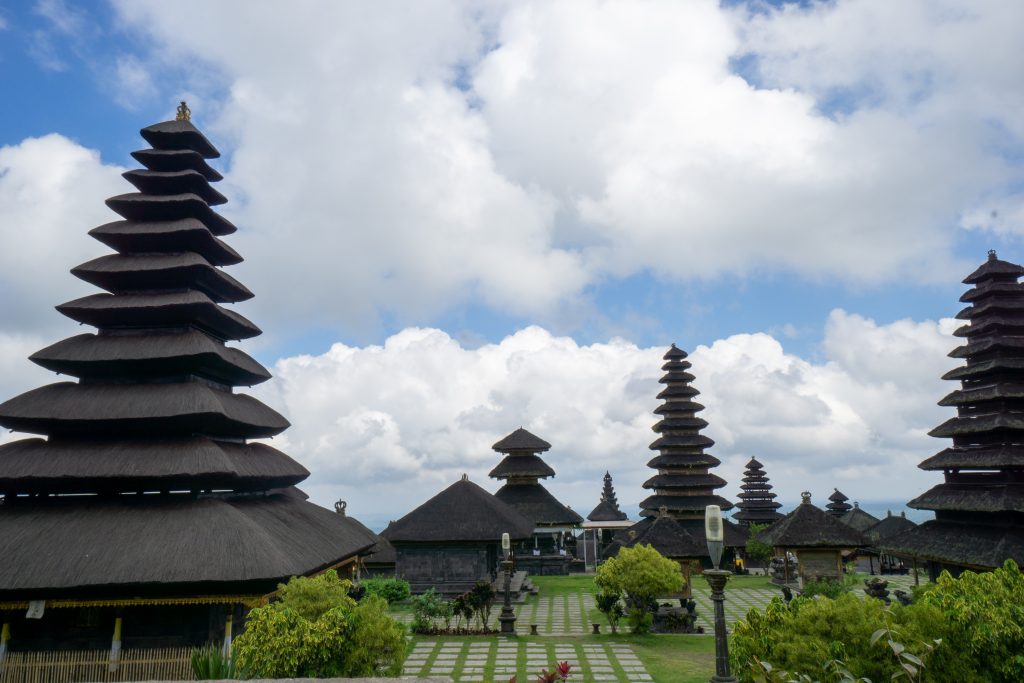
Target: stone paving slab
x=590, y=663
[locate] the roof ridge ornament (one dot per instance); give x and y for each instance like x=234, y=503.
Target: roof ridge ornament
x=805, y=498
x=183, y=113
x=992, y=255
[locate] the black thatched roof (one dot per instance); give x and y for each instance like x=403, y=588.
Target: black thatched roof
x=528, y=465
x=668, y=537
x=889, y=526
x=683, y=483
x=180, y=352
x=858, y=519
x=811, y=527
x=382, y=554
x=837, y=505
x=171, y=498
x=982, y=489
x=142, y=545
x=30, y=466
x=535, y=503
x=463, y=512
x=521, y=440
x=608, y=509
x=981, y=546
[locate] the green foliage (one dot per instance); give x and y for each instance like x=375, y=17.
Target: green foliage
x=610, y=606
x=984, y=614
x=640, y=619
x=756, y=550
x=830, y=588
x=427, y=608
x=316, y=630
x=392, y=590
x=210, y=664
x=480, y=600
x=642, y=574
x=969, y=630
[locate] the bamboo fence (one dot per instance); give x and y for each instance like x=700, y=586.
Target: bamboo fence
x=93, y=666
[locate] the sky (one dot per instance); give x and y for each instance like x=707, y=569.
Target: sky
x=464, y=217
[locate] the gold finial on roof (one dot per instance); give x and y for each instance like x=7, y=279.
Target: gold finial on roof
x=184, y=113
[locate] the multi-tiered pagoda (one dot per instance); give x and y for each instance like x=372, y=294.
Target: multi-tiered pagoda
x=757, y=501
x=521, y=469
x=608, y=509
x=144, y=500
x=979, y=508
x=837, y=503
x=684, y=484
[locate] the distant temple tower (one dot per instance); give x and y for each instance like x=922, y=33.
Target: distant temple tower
x=684, y=484
x=837, y=505
x=757, y=501
x=979, y=508
x=608, y=509
x=521, y=468
x=147, y=501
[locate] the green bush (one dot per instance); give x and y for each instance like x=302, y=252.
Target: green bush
x=316, y=630
x=210, y=664
x=977, y=619
x=427, y=608
x=642, y=574
x=756, y=550
x=392, y=590
x=830, y=588
x=610, y=606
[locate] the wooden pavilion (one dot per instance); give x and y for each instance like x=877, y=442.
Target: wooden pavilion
x=143, y=514
x=521, y=469
x=454, y=539
x=817, y=538
x=979, y=507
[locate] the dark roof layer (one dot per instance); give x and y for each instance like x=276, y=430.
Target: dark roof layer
x=132, y=545
x=811, y=527
x=537, y=504
x=521, y=440
x=189, y=463
x=606, y=512
x=994, y=497
x=135, y=206
x=528, y=465
x=179, y=134
x=689, y=505
x=463, y=512
x=971, y=545
x=173, y=353
x=166, y=237
x=859, y=520
x=668, y=537
x=888, y=526
x=173, y=160
x=182, y=270
x=140, y=409
x=184, y=181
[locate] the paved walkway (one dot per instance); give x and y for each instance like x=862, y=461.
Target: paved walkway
x=462, y=661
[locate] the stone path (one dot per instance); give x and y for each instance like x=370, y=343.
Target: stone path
x=471, y=661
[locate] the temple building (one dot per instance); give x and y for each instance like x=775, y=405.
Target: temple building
x=858, y=519
x=818, y=539
x=757, y=501
x=879, y=534
x=603, y=521
x=837, y=504
x=454, y=539
x=143, y=512
x=979, y=507
x=683, y=484
x=554, y=523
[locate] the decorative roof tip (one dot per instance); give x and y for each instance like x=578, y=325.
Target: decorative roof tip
x=340, y=506
x=856, y=505
x=992, y=255
x=903, y=514
x=465, y=477
x=888, y=513
x=805, y=498
x=183, y=113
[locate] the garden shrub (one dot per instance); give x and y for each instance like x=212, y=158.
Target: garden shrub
x=977, y=619
x=316, y=630
x=392, y=590
x=642, y=574
x=830, y=588
x=756, y=550
x=610, y=606
x=427, y=607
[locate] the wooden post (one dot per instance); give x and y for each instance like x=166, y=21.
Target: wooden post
x=917, y=581
x=228, y=626
x=687, y=567
x=5, y=635
x=115, y=645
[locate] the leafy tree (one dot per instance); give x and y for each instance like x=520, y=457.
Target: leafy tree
x=392, y=590
x=316, y=630
x=426, y=608
x=610, y=605
x=756, y=550
x=481, y=599
x=642, y=574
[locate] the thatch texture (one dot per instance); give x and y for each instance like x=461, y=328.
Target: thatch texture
x=177, y=352
x=809, y=526
x=521, y=440
x=136, y=206
x=174, y=160
x=463, y=512
x=179, y=134
x=528, y=465
x=160, y=236
x=30, y=466
x=138, y=545
x=123, y=274
x=67, y=408
x=858, y=519
x=971, y=545
x=837, y=505
x=534, y=502
x=606, y=512
x=185, y=181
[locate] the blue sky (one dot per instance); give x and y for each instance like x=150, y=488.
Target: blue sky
x=654, y=172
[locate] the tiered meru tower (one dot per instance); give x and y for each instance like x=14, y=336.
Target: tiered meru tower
x=837, y=503
x=521, y=469
x=979, y=508
x=146, y=500
x=684, y=484
x=757, y=501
